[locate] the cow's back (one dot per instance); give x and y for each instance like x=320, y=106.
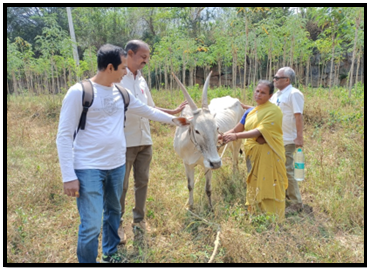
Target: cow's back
x=227, y=112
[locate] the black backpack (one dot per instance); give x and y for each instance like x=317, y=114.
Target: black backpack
x=88, y=97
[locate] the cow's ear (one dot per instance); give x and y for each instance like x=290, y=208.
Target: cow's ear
x=181, y=121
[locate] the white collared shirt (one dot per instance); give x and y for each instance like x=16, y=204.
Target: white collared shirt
x=291, y=101
x=137, y=129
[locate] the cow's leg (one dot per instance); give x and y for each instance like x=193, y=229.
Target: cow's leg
x=208, y=186
x=190, y=184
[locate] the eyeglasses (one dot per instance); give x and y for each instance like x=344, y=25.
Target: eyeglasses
x=277, y=77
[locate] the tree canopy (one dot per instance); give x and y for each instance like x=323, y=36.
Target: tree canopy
x=243, y=44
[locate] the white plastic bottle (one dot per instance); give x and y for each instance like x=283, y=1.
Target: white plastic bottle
x=299, y=165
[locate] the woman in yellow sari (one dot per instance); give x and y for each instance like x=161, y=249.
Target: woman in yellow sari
x=265, y=156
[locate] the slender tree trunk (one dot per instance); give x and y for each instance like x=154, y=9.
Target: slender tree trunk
x=270, y=58
x=322, y=73
x=155, y=76
x=20, y=83
x=332, y=62
x=191, y=73
x=267, y=67
x=36, y=83
x=194, y=72
x=245, y=62
x=307, y=70
x=249, y=72
x=362, y=69
x=270, y=66
x=291, y=52
x=220, y=72
x=255, y=62
x=69, y=74
x=336, y=80
x=7, y=86
x=64, y=73
x=284, y=50
x=183, y=69
x=52, y=78
x=225, y=75
x=170, y=77
x=358, y=20
x=39, y=83
x=358, y=61
x=32, y=84
x=57, y=79
x=310, y=67
x=149, y=78
x=234, y=69
x=319, y=72
x=301, y=73
x=160, y=76
x=239, y=75
x=15, y=88
x=46, y=87
x=244, y=73
x=165, y=76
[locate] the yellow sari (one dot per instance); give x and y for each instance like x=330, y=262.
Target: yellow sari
x=267, y=177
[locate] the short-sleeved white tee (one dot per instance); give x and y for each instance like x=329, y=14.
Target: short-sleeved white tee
x=291, y=101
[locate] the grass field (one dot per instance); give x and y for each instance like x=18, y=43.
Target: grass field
x=42, y=222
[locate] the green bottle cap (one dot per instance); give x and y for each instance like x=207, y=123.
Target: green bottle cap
x=299, y=150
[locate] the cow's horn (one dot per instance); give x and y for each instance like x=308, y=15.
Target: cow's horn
x=205, y=92
x=186, y=94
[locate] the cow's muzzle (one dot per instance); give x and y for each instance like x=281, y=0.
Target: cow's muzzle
x=215, y=165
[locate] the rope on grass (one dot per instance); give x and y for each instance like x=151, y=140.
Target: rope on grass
x=216, y=242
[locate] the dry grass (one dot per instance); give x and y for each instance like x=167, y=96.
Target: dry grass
x=42, y=223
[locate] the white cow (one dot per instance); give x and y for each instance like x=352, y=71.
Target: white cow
x=196, y=144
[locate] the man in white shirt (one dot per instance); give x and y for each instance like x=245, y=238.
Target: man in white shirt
x=93, y=164
x=291, y=102
x=137, y=132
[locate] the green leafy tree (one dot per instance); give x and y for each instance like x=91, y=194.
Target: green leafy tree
x=14, y=62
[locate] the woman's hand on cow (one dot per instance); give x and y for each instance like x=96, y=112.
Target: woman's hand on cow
x=228, y=137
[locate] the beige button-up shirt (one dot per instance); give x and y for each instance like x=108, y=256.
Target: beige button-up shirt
x=137, y=129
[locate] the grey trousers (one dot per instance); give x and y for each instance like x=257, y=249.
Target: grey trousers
x=292, y=193
x=139, y=159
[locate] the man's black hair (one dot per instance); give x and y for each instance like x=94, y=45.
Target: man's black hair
x=109, y=54
x=269, y=84
x=134, y=45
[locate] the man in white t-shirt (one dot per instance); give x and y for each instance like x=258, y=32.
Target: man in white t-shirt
x=291, y=102
x=93, y=164
x=137, y=132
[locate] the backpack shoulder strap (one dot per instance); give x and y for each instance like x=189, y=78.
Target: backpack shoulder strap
x=124, y=94
x=87, y=100
x=125, y=97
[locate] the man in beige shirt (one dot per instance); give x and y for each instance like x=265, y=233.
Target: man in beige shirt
x=137, y=132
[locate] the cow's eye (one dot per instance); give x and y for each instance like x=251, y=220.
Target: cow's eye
x=197, y=132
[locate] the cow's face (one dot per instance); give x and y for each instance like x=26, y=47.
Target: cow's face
x=203, y=128
x=204, y=135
